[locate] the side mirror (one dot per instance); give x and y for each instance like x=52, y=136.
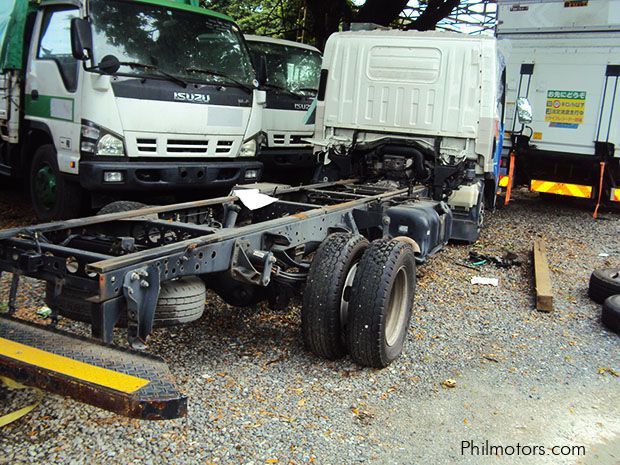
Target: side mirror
x=81, y=39
x=524, y=110
x=261, y=69
x=109, y=64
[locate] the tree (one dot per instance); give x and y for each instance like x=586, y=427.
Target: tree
x=315, y=20
x=435, y=11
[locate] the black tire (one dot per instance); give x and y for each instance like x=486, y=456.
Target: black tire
x=610, y=315
x=604, y=283
x=381, y=303
x=180, y=301
x=53, y=195
x=120, y=206
x=235, y=292
x=327, y=294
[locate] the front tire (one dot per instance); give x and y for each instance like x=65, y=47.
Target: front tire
x=381, y=303
x=54, y=197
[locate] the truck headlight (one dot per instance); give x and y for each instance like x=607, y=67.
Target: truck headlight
x=111, y=146
x=248, y=149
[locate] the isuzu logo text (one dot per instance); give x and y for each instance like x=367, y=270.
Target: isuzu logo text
x=302, y=106
x=191, y=98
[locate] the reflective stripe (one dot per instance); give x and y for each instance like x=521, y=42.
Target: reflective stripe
x=615, y=194
x=69, y=367
x=561, y=188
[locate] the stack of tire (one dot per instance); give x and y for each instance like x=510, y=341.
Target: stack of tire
x=605, y=289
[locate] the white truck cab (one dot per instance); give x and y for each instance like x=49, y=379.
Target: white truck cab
x=415, y=108
x=292, y=79
x=125, y=96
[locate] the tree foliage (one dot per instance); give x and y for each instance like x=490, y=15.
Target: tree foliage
x=312, y=21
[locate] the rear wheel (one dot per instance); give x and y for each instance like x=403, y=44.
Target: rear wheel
x=381, y=303
x=328, y=293
x=54, y=196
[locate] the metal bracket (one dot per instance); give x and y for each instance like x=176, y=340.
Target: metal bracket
x=141, y=291
x=242, y=264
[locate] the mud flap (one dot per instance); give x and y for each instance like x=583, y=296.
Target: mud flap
x=120, y=380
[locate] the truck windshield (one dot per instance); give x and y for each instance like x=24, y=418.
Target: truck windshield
x=170, y=40
x=290, y=68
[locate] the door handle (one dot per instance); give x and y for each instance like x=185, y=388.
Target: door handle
x=34, y=94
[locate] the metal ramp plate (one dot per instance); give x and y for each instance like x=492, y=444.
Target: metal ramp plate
x=120, y=380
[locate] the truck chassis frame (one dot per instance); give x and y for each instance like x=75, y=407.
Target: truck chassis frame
x=157, y=244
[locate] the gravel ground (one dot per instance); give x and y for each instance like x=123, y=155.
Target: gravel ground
x=257, y=397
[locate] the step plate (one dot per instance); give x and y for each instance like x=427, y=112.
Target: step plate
x=123, y=381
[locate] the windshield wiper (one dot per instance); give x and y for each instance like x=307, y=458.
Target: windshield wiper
x=221, y=75
x=171, y=77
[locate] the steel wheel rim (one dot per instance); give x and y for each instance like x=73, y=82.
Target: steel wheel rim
x=45, y=186
x=397, y=307
x=345, y=297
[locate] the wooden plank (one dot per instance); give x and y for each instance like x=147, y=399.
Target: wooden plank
x=544, y=290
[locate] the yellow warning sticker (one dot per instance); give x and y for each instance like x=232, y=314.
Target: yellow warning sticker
x=565, y=108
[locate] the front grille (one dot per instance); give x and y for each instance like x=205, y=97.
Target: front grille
x=223, y=146
x=179, y=146
x=146, y=145
x=279, y=138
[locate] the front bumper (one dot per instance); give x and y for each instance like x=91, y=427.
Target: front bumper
x=288, y=158
x=163, y=176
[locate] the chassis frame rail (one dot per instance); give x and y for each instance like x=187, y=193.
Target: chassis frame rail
x=252, y=246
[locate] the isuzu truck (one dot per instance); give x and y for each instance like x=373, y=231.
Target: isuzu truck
x=292, y=79
x=106, y=99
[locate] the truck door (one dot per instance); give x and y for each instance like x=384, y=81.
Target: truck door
x=51, y=91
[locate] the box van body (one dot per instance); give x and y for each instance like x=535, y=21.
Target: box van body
x=564, y=57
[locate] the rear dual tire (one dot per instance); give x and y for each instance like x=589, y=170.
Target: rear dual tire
x=359, y=299
x=327, y=294
x=381, y=303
